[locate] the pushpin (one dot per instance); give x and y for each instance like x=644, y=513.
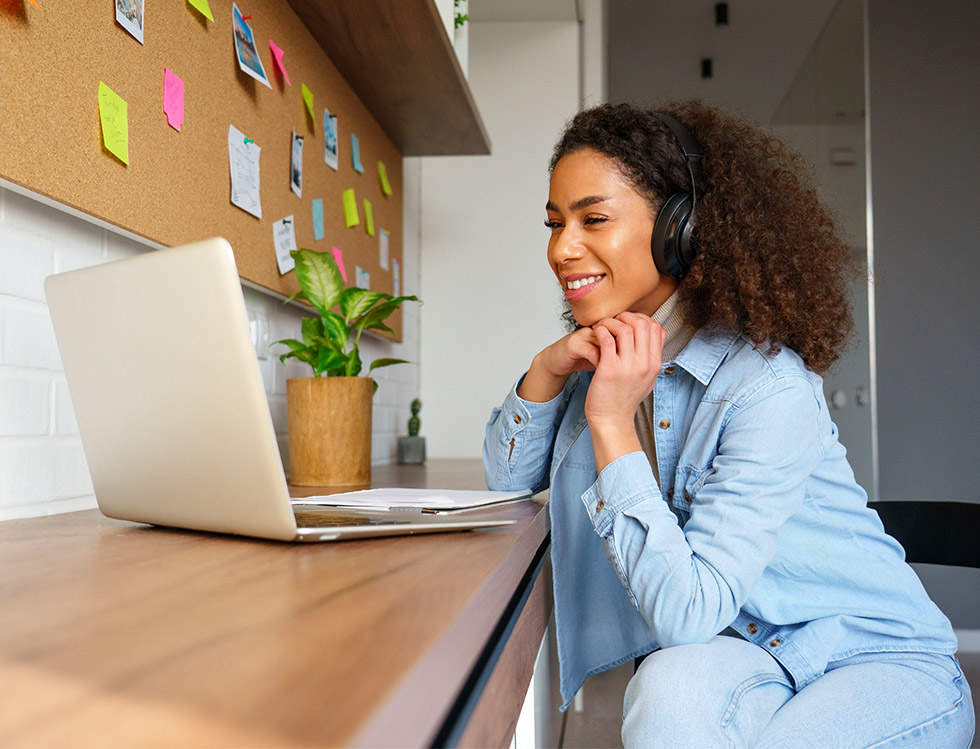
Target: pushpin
x=246, y=18
x=249, y=140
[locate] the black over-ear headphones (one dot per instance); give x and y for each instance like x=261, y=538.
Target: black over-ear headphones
x=672, y=245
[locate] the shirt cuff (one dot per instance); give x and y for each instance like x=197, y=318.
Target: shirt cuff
x=625, y=482
x=519, y=414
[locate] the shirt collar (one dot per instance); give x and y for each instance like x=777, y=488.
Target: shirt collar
x=704, y=354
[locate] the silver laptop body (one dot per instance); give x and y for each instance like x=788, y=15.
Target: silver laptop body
x=170, y=402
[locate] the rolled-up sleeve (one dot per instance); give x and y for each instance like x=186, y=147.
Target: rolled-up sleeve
x=689, y=583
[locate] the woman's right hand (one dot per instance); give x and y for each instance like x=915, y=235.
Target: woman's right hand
x=551, y=368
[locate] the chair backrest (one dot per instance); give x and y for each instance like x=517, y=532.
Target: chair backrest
x=932, y=531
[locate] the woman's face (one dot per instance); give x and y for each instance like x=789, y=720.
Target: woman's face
x=600, y=240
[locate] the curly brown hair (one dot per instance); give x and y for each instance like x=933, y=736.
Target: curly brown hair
x=770, y=262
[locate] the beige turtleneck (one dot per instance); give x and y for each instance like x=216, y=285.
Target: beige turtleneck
x=679, y=334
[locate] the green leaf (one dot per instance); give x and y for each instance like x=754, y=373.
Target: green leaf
x=335, y=329
x=353, y=364
x=385, y=363
x=328, y=360
x=312, y=330
x=382, y=311
x=380, y=326
x=319, y=278
x=355, y=302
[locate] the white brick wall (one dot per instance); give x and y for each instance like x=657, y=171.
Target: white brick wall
x=42, y=464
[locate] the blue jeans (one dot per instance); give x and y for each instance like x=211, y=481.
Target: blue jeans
x=732, y=693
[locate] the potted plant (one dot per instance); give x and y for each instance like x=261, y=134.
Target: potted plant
x=330, y=412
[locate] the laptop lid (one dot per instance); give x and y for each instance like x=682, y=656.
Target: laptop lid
x=167, y=392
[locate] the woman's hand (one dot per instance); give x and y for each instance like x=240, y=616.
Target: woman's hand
x=552, y=367
x=630, y=350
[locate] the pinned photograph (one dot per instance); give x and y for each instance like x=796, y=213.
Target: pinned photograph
x=296, y=166
x=129, y=15
x=330, y=139
x=248, y=56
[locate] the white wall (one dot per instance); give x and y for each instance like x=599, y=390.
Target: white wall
x=42, y=464
x=491, y=301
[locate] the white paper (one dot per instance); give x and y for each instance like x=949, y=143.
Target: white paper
x=284, y=237
x=129, y=14
x=245, y=50
x=383, y=245
x=243, y=159
x=296, y=165
x=413, y=499
x=396, y=281
x=362, y=279
x=331, y=142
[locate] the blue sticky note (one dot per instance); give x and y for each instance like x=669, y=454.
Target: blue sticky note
x=318, y=219
x=355, y=153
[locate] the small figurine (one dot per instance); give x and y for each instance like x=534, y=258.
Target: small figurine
x=411, y=449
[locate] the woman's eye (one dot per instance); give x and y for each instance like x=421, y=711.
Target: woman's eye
x=551, y=224
x=595, y=219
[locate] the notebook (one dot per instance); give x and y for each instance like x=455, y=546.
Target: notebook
x=172, y=410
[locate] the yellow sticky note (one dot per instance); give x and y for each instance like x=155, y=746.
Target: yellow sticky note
x=202, y=7
x=350, y=209
x=368, y=217
x=308, y=98
x=113, y=112
x=383, y=175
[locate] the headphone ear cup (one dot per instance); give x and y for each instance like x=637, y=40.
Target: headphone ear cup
x=671, y=240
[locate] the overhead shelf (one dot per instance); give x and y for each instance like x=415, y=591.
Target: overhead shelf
x=398, y=59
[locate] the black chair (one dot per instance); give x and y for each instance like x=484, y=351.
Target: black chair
x=934, y=532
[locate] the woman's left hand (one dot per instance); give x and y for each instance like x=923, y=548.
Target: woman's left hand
x=630, y=350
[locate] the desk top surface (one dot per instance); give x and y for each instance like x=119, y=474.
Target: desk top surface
x=118, y=633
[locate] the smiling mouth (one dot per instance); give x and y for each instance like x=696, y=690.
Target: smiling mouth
x=579, y=283
x=581, y=286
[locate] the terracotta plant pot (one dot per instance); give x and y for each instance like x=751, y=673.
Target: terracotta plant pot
x=330, y=430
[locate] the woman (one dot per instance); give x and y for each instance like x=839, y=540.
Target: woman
x=702, y=507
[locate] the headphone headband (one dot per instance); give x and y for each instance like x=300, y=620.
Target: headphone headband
x=672, y=243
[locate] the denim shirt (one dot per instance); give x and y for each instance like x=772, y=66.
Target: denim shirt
x=757, y=523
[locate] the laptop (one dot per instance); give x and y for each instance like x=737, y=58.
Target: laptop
x=172, y=410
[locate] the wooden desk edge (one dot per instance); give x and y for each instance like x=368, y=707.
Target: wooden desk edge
x=398, y=722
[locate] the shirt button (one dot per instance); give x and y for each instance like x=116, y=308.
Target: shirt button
x=517, y=418
x=665, y=423
x=752, y=629
x=670, y=494
x=688, y=497
x=599, y=505
x=774, y=643
x=669, y=371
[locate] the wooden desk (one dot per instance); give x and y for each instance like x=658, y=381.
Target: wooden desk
x=118, y=634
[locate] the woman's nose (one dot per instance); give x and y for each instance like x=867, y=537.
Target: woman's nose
x=566, y=246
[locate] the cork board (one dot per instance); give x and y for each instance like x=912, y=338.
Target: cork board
x=177, y=186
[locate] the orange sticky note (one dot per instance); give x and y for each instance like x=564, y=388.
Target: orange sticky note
x=277, y=53
x=34, y=3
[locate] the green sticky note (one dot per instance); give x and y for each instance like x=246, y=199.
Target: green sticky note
x=201, y=6
x=383, y=175
x=113, y=113
x=368, y=217
x=350, y=209
x=308, y=98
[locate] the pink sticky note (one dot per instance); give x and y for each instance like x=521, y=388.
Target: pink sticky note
x=277, y=56
x=338, y=255
x=173, y=98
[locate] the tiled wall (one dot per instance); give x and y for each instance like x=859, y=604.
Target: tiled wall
x=42, y=465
